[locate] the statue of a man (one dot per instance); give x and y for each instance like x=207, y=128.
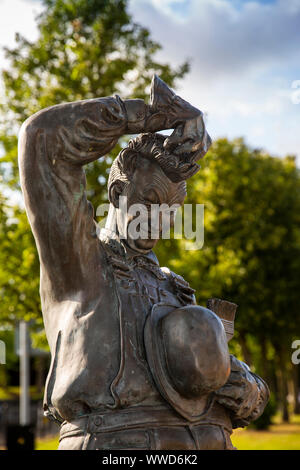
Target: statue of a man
x=136, y=364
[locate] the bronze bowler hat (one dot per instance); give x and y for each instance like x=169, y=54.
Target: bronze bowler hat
x=188, y=356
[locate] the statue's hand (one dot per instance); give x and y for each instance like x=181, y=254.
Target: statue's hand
x=244, y=394
x=189, y=141
x=165, y=103
x=180, y=151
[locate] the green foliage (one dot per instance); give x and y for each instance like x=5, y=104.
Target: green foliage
x=266, y=419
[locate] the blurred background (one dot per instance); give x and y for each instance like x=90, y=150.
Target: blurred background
x=238, y=61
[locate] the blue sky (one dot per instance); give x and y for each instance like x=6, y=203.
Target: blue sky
x=245, y=56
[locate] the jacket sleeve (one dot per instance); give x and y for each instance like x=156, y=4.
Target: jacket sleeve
x=54, y=144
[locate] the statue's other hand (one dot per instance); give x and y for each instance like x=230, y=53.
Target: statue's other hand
x=244, y=394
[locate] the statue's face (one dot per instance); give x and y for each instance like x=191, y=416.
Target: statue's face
x=149, y=188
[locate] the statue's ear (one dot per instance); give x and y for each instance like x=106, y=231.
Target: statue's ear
x=114, y=192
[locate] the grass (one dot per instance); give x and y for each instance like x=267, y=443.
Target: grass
x=47, y=444
x=280, y=436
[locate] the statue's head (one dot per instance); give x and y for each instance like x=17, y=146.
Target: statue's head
x=149, y=172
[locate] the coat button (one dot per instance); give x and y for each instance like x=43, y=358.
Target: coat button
x=98, y=421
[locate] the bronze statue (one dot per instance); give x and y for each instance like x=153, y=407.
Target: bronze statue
x=136, y=364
